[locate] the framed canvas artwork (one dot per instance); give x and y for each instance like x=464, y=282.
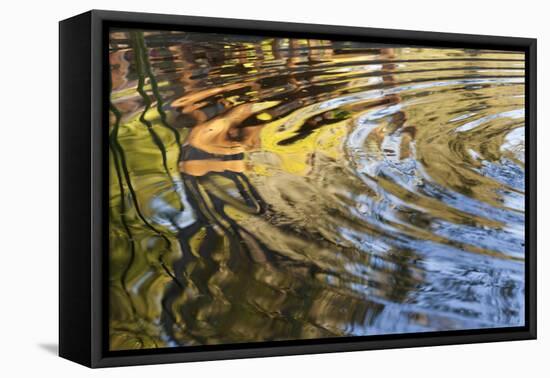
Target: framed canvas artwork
x=234, y=188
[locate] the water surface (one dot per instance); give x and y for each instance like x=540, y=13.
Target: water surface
x=277, y=189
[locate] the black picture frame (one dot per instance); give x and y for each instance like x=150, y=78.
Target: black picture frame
x=83, y=112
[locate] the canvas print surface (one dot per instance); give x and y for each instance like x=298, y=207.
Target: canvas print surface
x=266, y=189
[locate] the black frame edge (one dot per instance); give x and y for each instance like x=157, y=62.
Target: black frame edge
x=262, y=27
x=336, y=347
x=531, y=181
x=75, y=49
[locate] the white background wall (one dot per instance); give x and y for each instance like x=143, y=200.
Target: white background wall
x=29, y=189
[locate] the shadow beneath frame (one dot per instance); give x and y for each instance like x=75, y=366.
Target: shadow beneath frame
x=52, y=348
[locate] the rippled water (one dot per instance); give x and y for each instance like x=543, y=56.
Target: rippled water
x=276, y=189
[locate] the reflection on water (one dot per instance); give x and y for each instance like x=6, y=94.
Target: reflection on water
x=276, y=189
